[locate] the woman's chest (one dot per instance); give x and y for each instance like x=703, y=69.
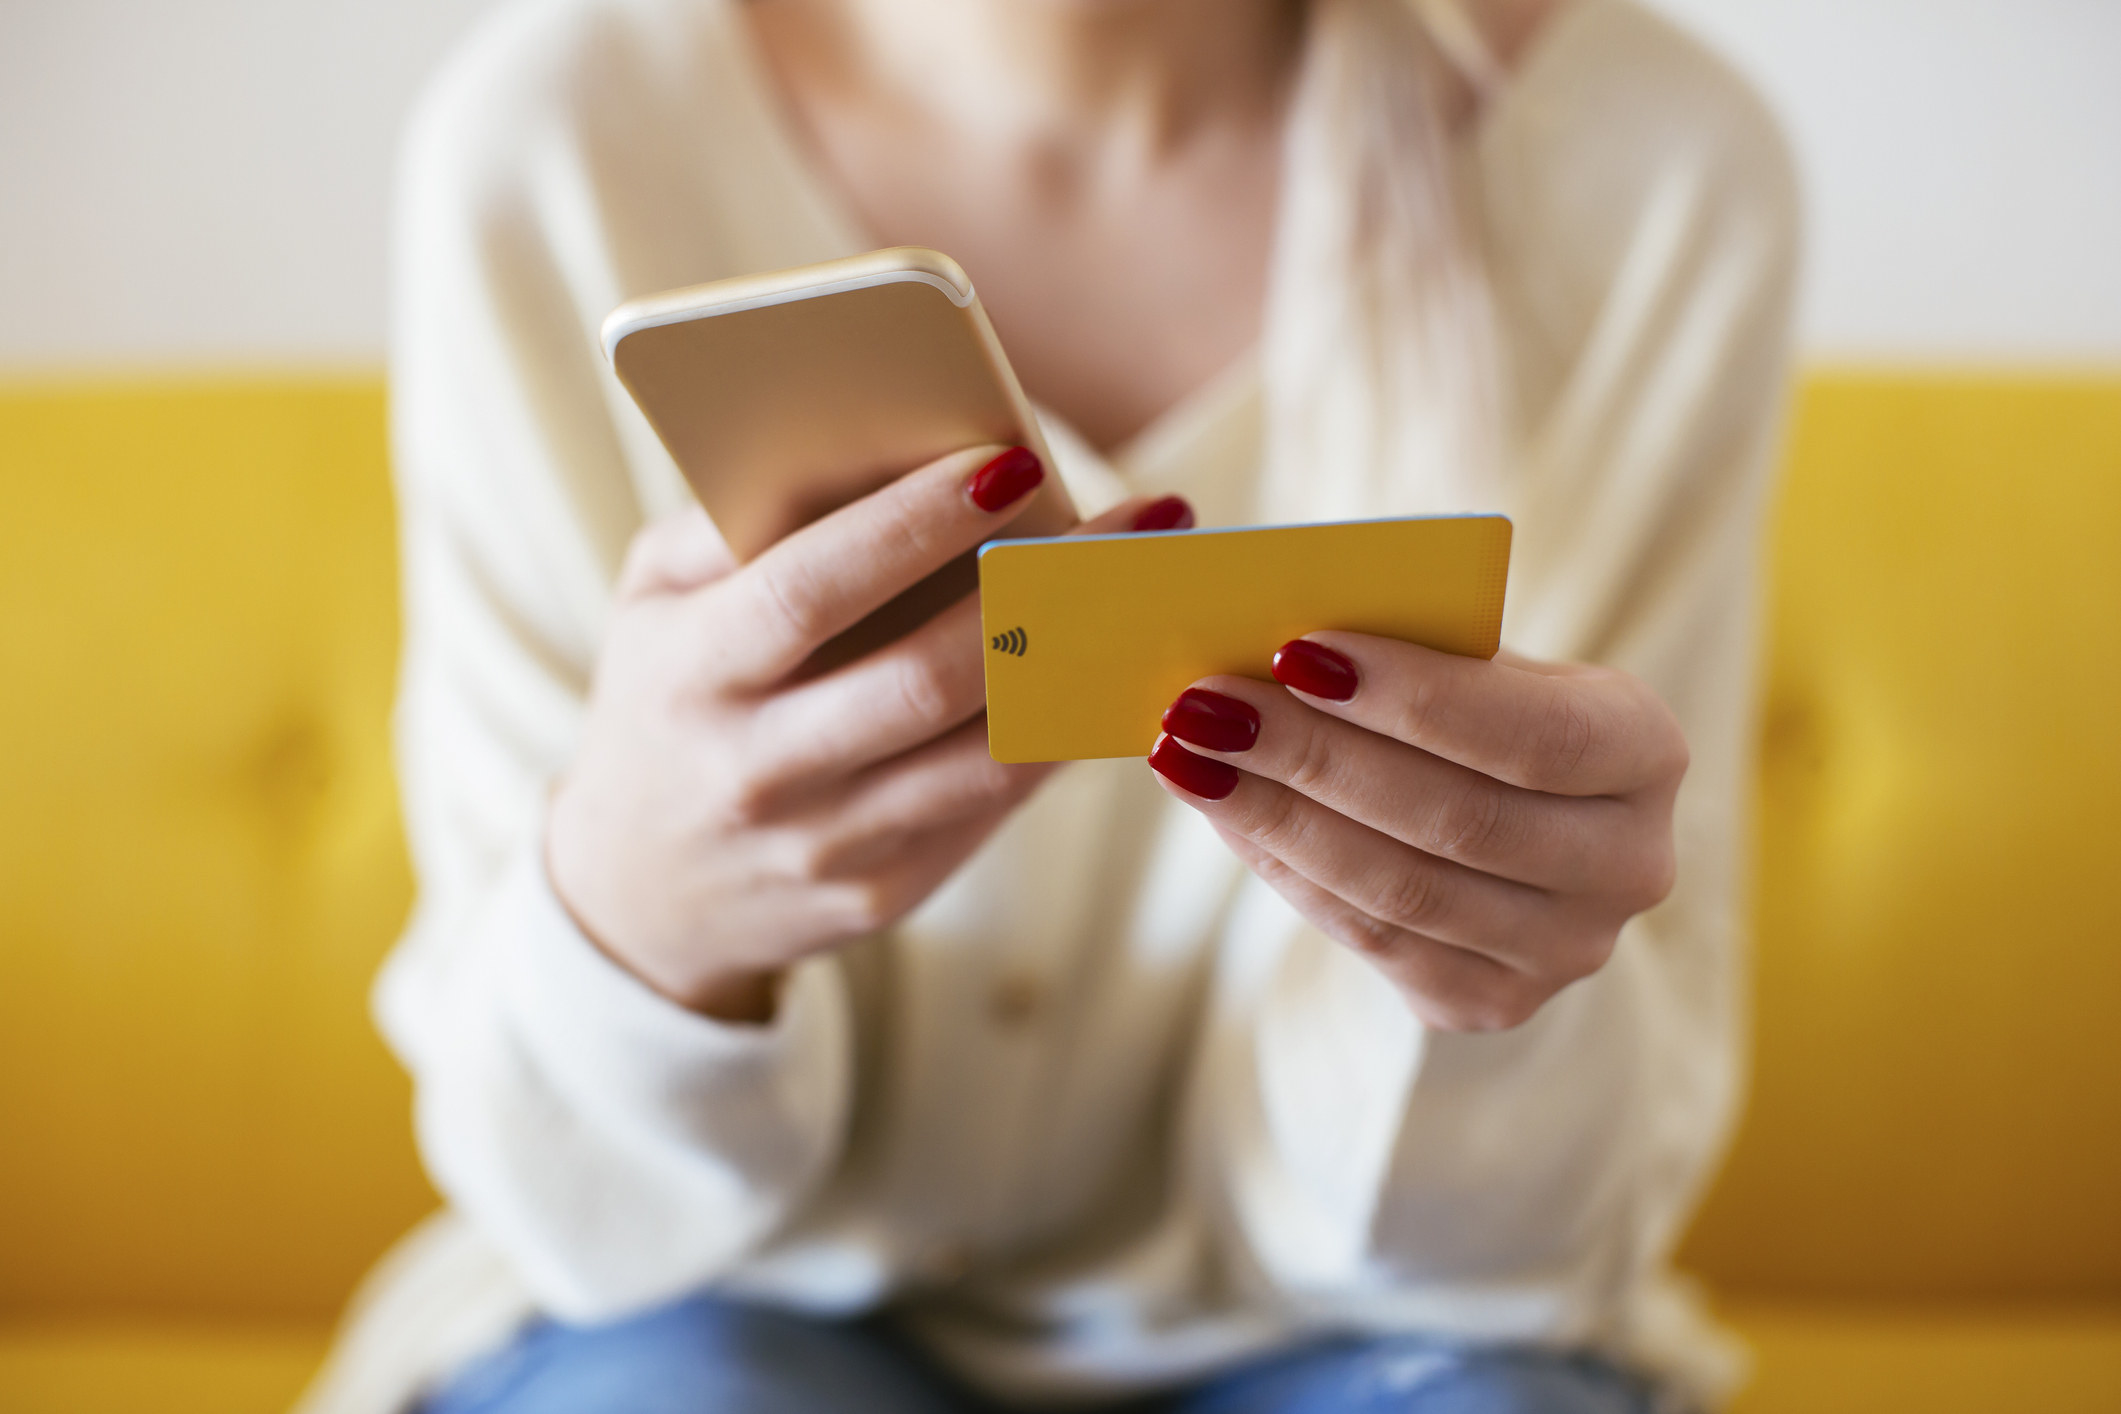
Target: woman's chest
x=1023, y=1032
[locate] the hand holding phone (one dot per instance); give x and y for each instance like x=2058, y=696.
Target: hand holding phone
x=783, y=749
x=724, y=818
x=784, y=396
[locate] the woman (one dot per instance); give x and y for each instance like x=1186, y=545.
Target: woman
x=776, y=1048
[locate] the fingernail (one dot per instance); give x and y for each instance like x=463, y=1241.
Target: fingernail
x=1168, y=513
x=1213, y=720
x=1316, y=669
x=1210, y=780
x=1006, y=480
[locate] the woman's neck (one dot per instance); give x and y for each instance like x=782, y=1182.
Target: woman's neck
x=1068, y=78
x=1107, y=169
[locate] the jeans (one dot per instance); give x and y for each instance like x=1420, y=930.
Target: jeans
x=708, y=1356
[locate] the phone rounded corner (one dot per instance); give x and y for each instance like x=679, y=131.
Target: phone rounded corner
x=924, y=260
x=616, y=326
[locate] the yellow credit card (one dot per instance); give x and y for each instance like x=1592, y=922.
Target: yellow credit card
x=1090, y=637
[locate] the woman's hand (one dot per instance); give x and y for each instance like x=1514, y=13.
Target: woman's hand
x=1479, y=830
x=721, y=821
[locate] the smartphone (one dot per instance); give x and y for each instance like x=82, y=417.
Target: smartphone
x=784, y=396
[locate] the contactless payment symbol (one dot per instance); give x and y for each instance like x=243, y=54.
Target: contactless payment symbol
x=1013, y=642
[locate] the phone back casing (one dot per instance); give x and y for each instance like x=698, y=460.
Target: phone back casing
x=783, y=397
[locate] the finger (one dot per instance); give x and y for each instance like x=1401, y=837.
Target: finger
x=882, y=704
x=896, y=802
x=1414, y=796
x=1449, y=988
x=769, y=616
x=1593, y=731
x=1385, y=879
x=880, y=898
x=1141, y=514
x=832, y=910
x=1545, y=666
x=894, y=699
x=674, y=555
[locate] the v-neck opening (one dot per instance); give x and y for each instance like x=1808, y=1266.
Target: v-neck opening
x=1201, y=407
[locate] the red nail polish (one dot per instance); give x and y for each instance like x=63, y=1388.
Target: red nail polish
x=1210, y=780
x=1316, y=669
x=1168, y=513
x=1006, y=480
x=1212, y=719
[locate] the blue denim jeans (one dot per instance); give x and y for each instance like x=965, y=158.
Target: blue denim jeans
x=707, y=1356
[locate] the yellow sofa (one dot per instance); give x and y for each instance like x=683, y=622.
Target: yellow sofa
x=204, y=1145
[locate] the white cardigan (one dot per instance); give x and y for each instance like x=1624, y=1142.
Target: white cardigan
x=1102, y=1112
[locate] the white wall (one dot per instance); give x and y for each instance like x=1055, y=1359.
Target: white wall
x=1962, y=160
x=205, y=180
x=202, y=179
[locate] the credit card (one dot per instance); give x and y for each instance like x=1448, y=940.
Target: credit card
x=1090, y=637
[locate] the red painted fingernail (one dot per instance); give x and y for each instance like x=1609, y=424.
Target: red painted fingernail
x=1316, y=669
x=1210, y=780
x=1006, y=480
x=1169, y=513
x=1213, y=720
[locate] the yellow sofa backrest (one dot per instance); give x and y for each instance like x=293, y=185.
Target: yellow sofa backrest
x=200, y=864
x=201, y=856
x=1937, y=1100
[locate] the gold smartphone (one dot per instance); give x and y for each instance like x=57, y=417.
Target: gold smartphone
x=784, y=396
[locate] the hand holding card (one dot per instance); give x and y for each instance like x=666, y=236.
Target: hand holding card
x=1480, y=831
